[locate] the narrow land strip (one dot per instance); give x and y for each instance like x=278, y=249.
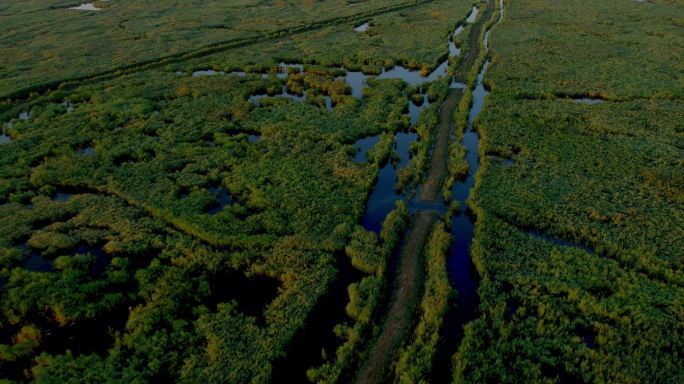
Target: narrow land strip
x=404, y=301
x=473, y=46
x=440, y=153
x=409, y=280
x=438, y=164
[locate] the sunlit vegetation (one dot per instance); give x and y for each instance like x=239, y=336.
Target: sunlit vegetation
x=147, y=238
x=427, y=124
x=614, y=49
x=161, y=227
x=579, y=207
x=559, y=313
x=44, y=43
x=370, y=254
x=392, y=39
x=416, y=357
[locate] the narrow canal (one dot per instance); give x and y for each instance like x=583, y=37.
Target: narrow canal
x=460, y=268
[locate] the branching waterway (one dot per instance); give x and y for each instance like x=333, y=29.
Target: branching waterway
x=461, y=272
x=426, y=209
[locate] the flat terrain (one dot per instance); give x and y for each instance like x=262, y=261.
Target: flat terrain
x=403, y=303
x=437, y=171
x=184, y=186
x=579, y=203
x=44, y=41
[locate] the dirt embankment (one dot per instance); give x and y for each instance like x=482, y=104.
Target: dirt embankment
x=408, y=285
x=403, y=304
x=438, y=164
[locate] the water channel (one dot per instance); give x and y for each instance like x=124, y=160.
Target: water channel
x=460, y=269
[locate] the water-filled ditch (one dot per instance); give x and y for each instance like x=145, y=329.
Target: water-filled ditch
x=460, y=269
x=462, y=275
x=380, y=202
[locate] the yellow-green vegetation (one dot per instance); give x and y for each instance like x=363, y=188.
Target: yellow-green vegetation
x=579, y=207
x=157, y=226
x=45, y=42
x=370, y=255
x=148, y=237
x=614, y=49
x=414, y=37
x=415, y=358
x=161, y=227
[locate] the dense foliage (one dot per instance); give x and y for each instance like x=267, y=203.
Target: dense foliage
x=167, y=229
x=157, y=226
x=579, y=238
x=370, y=255
x=416, y=357
x=46, y=43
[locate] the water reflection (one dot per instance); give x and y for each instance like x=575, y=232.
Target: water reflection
x=222, y=197
x=362, y=146
x=284, y=93
x=357, y=81
x=414, y=78
x=384, y=195
x=362, y=28
x=86, y=7
x=473, y=15
x=453, y=49
x=588, y=101
x=414, y=109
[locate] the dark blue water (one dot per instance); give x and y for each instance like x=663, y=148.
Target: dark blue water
x=414, y=110
x=384, y=195
x=253, y=138
x=403, y=141
x=459, y=264
x=101, y=260
x=362, y=146
x=381, y=200
x=35, y=261
x=222, y=197
x=284, y=93
x=460, y=269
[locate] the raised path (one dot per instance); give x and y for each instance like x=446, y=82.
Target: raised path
x=404, y=301
x=408, y=285
x=438, y=164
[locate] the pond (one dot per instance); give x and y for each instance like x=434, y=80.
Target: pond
x=86, y=7
x=362, y=28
